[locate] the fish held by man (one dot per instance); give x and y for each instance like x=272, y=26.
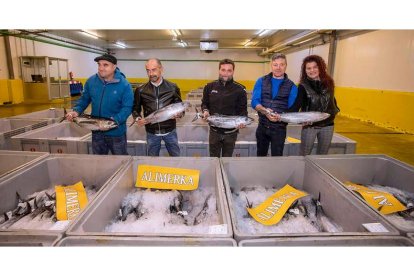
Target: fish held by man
x=224, y=121
x=303, y=117
x=93, y=123
x=165, y=113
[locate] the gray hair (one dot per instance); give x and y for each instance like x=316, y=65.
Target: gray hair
x=278, y=55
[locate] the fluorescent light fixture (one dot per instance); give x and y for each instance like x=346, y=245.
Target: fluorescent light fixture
x=183, y=43
x=89, y=34
x=175, y=32
x=262, y=32
x=248, y=42
x=120, y=45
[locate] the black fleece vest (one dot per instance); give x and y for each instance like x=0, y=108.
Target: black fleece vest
x=278, y=104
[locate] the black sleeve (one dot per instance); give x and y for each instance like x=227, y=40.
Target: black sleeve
x=178, y=98
x=300, y=101
x=242, y=103
x=136, y=108
x=205, y=103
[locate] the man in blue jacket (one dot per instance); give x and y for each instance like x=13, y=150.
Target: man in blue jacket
x=111, y=97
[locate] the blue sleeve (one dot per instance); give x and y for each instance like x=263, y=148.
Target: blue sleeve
x=127, y=103
x=292, y=96
x=84, y=100
x=257, y=93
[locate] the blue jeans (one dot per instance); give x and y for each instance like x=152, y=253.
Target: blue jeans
x=102, y=144
x=170, y=140
x=274, y=136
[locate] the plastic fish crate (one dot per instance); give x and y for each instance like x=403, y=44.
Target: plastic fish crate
x=339, y=144
x=345, y=210
x=65, y=137
x=24, y=239
x=106, y=206
x=142, y=241
x=59, y=169
x=369, y=170
x=330, y=241
x=14, y=160
x=11, y=127
x=51, y=115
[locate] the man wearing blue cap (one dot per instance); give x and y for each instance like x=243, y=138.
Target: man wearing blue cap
x=111, y=96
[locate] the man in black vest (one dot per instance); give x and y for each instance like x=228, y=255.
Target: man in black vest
x=273, y=94
x=225, y=97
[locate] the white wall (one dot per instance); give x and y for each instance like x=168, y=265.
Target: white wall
x=80, y=62
x=197, y=68
x=4, y=72
x=295, y=59
x=377, y=60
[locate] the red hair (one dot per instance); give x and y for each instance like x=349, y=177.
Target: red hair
x=326, y=80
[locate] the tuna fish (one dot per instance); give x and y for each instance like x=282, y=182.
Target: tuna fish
x=203, y=213
x=224, y=121
x=131, y=204
x=303, y=117
x=165, y=113
x=93, y=123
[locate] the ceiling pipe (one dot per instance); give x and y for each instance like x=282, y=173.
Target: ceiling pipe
x=25, y=32
x=295, y=41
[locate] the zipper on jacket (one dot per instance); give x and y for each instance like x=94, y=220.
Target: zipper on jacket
x=157, y=93
x=100, y=103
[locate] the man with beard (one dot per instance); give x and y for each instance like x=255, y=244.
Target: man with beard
x=151, y=96
x=224, y=97
x=110, y=96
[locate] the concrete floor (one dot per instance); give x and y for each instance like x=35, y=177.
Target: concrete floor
x=370, y=139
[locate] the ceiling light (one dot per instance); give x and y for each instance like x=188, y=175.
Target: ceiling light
x=89, y=34
x=183, y=43
x=262, y=32
x=248, y=42
x=120, y=45
x=175, y=32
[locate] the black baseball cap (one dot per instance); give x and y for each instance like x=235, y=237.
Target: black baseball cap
x=107, y=57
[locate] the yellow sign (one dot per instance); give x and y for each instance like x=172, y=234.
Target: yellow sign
x=272, y=210
x=292, y=140
x=70, y=201
x=167, y=178
x=384, y=202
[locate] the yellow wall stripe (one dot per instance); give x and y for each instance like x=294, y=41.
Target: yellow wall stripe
x=391, y=109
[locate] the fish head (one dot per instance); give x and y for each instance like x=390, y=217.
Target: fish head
x=248, y=120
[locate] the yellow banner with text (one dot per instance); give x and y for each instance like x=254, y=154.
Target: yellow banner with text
x=157, y=177
x=272, y=210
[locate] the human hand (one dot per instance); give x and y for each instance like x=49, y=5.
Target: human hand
x=241, y=126
x=71, y=115
x=206, y=114
x=140, y=121
x=272, y=115
x=307, y=124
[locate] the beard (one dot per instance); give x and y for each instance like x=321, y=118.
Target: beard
x=225, y=80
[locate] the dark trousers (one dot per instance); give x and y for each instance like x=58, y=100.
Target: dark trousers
x=102, y=144
x=222, y=143
x=274, y=136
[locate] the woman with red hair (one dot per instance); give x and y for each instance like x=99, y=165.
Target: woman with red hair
x=317, y=90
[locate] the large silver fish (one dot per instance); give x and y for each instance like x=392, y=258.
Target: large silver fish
x=224, y=121
x=303, y=117
x=166, y=113
x=93, y=123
